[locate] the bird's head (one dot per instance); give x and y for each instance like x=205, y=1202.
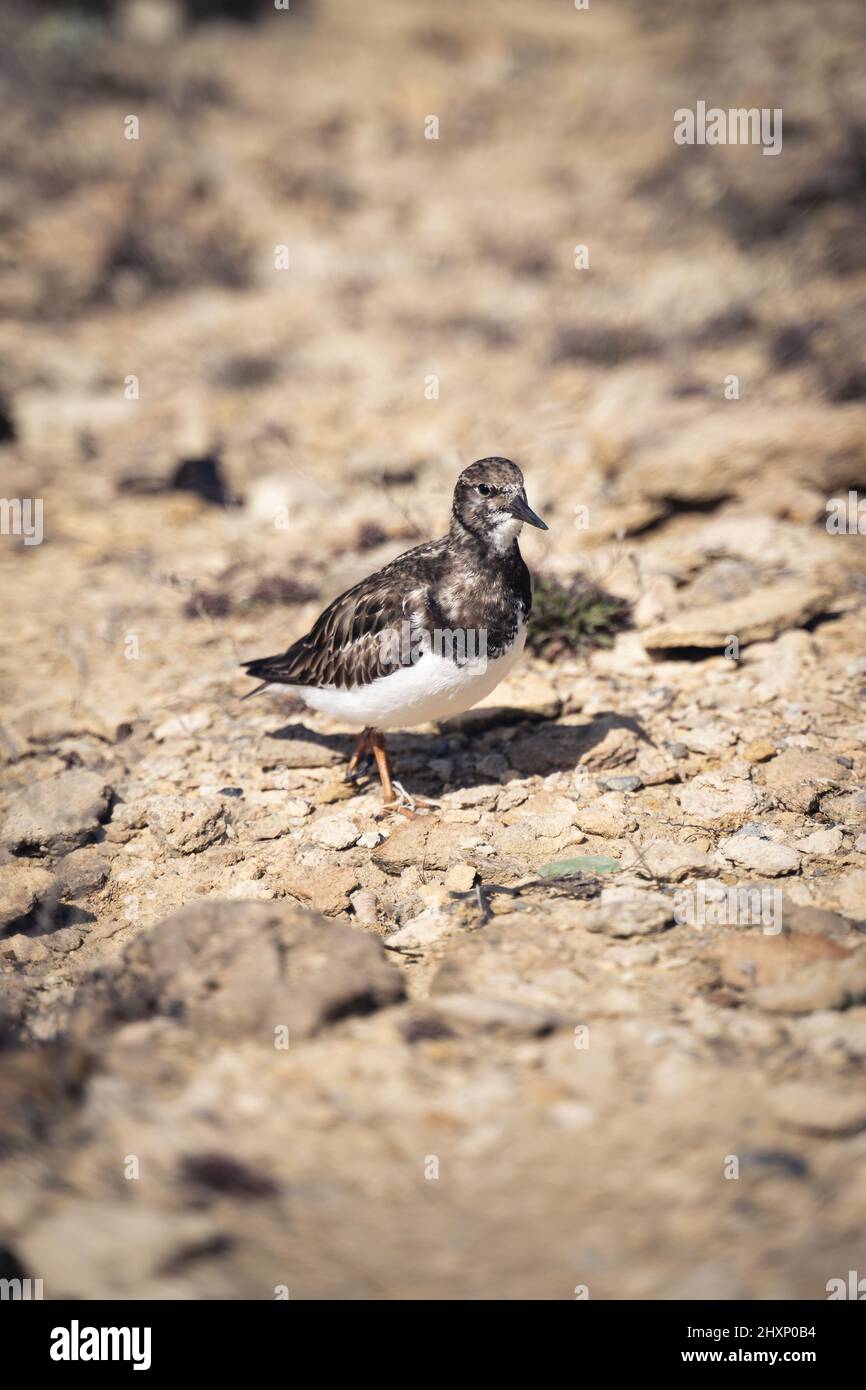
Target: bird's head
x=490, y=501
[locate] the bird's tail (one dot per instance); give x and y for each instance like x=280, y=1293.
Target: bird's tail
x=268, y=670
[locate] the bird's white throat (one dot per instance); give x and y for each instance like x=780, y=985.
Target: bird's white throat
x=504, y=533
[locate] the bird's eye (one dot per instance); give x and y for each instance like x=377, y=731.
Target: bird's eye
x=484, y=489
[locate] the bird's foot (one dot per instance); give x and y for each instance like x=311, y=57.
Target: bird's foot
x=405, y=804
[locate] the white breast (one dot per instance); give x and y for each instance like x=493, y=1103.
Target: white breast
x=432, y=688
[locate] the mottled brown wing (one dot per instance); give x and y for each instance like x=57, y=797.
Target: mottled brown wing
x=358, y=637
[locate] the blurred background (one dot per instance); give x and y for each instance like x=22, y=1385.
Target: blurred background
x=268, y=279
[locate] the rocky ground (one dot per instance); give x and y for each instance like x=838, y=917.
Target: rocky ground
x=258, y=1041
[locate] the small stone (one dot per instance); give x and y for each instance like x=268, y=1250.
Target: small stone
x=605, y=821
x=427, y=929
x=183, y=725
x=186, y=824
x=717, y=798
x=24, y=948
x=621, y=784
x=760, y=751
x=365, y=906
x=271, y=827
x=460, y=878
x=126, y=818
x=22, y=886
x=668, y=861
x=81, y=873
x=65, y=939
x=760, y=856
x=678, y=750
x=850, y=809
x=334, y=832
x=821, y=842
x=423, y=841
x=860, y=844
x=814, y=921
x=797, y=777
x=754, y=827
x=327, y=888
x=622, y=911
x=711, y=740
x=370, y=839
x=251, y=889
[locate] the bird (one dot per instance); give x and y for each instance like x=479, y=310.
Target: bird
x=426, y=637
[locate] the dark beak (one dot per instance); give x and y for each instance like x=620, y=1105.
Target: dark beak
x=522, y=510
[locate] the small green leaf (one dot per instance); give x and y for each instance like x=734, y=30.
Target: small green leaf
x=589, y=863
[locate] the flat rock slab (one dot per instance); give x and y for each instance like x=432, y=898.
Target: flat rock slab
x=759, y=617
x=718, y=799
x=669, y=862
x=760, y=856
x=243, y=969
x=798, y=777
x=57, y=814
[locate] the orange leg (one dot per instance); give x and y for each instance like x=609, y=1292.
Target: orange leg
x=362, y=747
x=402, y=803
x=383, y=767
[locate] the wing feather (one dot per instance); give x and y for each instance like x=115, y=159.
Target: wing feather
x=352, y=642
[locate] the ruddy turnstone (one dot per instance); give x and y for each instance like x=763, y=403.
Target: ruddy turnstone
x=429, y=635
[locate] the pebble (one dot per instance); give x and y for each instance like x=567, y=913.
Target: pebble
x=371, y=838
x=187, y=824
x=761, y=856
x=621, y=784
x=183, y=725
x=335, y=832
x=717, y=798
x=22, y=886
x=365, y=906
x=623, y=911
x=82, y=872
x=821, y=842
x=460, y=878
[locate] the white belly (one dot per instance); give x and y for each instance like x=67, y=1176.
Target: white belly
x=432, y=688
